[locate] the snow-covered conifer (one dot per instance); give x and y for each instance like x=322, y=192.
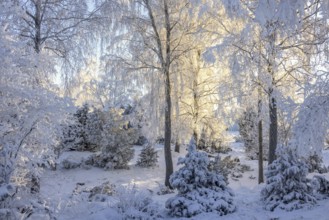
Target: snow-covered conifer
x=219, y=167
x=82, y=116
x=199, y=190
x=72, y=137
x=286, y=185
x=148, y=157
x=117, y=141
x=248, y=131
x=94, y=127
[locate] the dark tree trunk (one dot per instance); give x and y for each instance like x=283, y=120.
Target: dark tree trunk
x=166, y=68
x=167, y=149
x=273, y=129
x=177, y=146
x=37, y=24
x=260, y=155
x=196, y=97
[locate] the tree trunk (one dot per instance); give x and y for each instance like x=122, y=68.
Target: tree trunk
x=37, y=24
x=196, y=100
x=260, y=155
x=177, y=146
x=195, y=113
x=167, y=149
x=273, y=129
x=260, y=125
x=260, y=148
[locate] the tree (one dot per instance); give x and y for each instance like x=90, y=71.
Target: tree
x=201, y=99
x=199, y=190
x=248, y=131
x=60, y=29
x=50, y=24
x=283, y=39
x=30, y=114
x=94, y=129
x=159, y=31
x=148, y=157
x=310, y=129
x=286, y=185
x=117, y=142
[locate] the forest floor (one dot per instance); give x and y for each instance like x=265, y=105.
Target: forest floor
x=64, y=190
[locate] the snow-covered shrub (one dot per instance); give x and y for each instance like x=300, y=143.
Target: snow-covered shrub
x=148, y=157
x=203, y=141
x=135, y=204
x=84, y=130
x=219, y=167
x=286, y=183
x=163, y=189
x=228, y=166
x=321, y=185
x=7, y=192
x=248, y=130
x=72, y=137
x=72, y=160
x=99, y=193
x=94, y=128
x=199, y=189
x=69, y=164
x=80, y=131
x=316, y=164
x=117, y=141
x=97, y=160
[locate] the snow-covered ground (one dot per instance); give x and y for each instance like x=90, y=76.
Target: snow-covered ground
x=58, y=187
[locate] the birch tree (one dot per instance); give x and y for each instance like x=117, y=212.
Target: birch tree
x=282, y=25
x=159, y=39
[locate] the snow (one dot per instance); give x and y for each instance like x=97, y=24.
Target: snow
x=57, y=188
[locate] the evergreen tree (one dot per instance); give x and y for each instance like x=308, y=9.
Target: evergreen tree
x=202, y=144
x=82, y=114
x=219, y=167
x=199, y=190
x=286, y=185
x=94, y=128
x=148, y=157
x=72, y=137
x=248, y=131
x=117, y=141
x=74, y=134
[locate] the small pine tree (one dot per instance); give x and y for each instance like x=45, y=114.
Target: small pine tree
x=74, y=134
x=117, y=141
x=82, y=114
x=72, y=138
x=248, y=131
x=202, y=144
x=321, y=185
x=286, y=185
x=199, y=190
x=148, y=157
x=94, y=128
x=219, y=167
x=82, y=117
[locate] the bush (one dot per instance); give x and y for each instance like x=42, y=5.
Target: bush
x=148, y=157
x=199, y=189
x=248, y=129
x=287, y=187
x=316, y=164
x=134, y=204
x=321, y=185
x=117, y=141
x=99, y=193
x=219, y=167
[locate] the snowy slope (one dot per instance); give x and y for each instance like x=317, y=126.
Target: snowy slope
x=57, y=188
